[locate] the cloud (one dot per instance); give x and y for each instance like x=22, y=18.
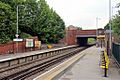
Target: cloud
x=82, y=12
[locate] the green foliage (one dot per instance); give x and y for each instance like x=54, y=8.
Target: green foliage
x=49, y=26
x=7, y=26
x=35, y=18
x=79, y=28
x=116, y=25
x=4, y=38
x=24, y=35
x=91, y=40
x=106, y=27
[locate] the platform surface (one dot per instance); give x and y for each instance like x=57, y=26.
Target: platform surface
x=5, y=57
x=88, y=68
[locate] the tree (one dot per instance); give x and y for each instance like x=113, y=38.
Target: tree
x=27, y=16
x=106, y=27
x=49, y=26
x=7, y=27
x=115, y=24
x=35, y=18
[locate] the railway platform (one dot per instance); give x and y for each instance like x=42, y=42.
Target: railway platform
x=43, y=49
x=25, y=54
x=87, y=68
x=83, y=66
x=11, y=60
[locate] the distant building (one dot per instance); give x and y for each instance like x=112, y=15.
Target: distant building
x=71, y=27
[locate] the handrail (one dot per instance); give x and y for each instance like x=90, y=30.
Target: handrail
x=104, y=62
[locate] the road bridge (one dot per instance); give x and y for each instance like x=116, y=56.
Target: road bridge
x=81, y=37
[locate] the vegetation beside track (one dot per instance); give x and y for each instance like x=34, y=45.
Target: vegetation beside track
x=115, y=24
x=35, y=18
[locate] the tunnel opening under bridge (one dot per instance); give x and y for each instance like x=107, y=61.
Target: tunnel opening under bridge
x=86, y=41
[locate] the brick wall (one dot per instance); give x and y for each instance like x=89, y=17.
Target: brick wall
x=70, y=36
x=13, y=47
x=86, y=32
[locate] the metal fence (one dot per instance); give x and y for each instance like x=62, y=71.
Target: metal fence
x=116, y=51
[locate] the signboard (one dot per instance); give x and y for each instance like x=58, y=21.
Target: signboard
x=108, y=31
x=17, y=39
x=101, y=37
x=29, y=42
x=38, y=44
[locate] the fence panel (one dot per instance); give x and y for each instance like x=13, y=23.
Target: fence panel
x=116, y=51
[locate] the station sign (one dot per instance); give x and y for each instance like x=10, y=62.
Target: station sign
x=29, y=43
x=38, y=44
x=17, y=40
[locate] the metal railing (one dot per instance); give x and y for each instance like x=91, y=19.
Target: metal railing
x=104, y=62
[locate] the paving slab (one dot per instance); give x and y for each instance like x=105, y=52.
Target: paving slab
x=88, y=68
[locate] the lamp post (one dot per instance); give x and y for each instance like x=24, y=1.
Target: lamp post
x=17, y=25
x=97, y=29
x=17, y=29
x=110, y=35
x=97, y=25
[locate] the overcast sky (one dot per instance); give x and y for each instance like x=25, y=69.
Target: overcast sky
x=83, y=13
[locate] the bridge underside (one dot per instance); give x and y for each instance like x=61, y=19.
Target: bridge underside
x=82, y=40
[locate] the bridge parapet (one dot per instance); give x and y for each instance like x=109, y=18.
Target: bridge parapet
x=86, y=32
x=70, y=36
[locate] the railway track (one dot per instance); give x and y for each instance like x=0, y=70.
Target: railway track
x=40, y=65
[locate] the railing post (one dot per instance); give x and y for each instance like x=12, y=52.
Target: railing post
x=105, y=70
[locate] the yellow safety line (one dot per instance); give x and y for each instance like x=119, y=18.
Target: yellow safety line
x=106, y=60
